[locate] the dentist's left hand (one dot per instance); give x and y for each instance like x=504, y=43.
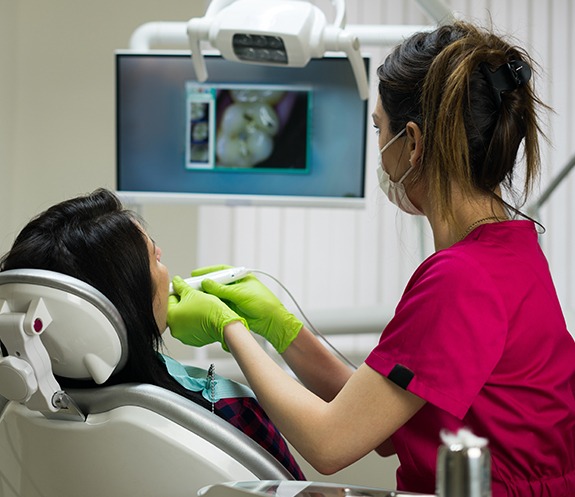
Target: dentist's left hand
x=197, y=318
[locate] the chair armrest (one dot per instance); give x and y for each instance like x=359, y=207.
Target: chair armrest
x=188, y=415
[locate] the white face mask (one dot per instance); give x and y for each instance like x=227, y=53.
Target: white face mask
x=395, y=190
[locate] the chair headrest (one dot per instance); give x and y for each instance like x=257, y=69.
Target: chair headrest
x=86, y=338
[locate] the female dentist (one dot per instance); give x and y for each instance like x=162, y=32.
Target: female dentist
x=478, y=339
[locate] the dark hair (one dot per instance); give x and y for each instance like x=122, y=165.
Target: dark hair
x=435, y=80
x=95, y=239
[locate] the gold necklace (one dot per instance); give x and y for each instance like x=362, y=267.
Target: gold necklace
x=474, y=225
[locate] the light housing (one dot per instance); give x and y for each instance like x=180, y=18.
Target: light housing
x=273, y=32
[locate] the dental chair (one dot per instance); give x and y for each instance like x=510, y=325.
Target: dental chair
x=120, y=440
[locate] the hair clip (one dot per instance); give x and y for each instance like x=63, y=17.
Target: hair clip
x=507, y=77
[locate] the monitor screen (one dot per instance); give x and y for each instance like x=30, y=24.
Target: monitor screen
x=249, y=135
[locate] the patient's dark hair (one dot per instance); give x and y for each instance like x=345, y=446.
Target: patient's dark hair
x=95, y=239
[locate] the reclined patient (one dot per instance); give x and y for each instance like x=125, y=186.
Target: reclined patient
x=95, y=239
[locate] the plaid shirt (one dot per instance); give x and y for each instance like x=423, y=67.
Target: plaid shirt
x=246, y=414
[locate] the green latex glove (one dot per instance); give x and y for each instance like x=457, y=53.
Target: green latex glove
x=197, y=318
x=252, y=300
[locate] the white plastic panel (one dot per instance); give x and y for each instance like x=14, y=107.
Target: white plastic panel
x=81, y=341
x=127, y=451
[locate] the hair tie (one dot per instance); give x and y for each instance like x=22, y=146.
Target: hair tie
x=507, y=77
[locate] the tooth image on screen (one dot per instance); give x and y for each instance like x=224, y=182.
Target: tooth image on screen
x=246, y=133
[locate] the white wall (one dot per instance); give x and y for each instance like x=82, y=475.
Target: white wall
x=8, y=18
x=57, y=99
x=57, y=140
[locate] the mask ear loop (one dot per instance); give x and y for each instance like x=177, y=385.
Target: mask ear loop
x=392, y=141
x=507, y=77
x=406, y=173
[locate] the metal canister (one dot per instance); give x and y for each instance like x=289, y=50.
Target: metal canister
x=463, y=467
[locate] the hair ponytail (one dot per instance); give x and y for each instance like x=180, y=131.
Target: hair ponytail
x=470, y=137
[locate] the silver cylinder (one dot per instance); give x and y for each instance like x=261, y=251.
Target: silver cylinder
x=463, y=471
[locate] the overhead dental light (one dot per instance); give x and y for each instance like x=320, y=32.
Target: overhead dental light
x=274, y=32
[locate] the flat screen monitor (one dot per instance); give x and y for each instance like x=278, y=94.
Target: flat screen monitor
x=249, y=135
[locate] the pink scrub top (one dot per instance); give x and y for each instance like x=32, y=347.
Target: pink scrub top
x=480, y=336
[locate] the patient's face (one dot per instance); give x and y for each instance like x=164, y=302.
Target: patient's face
x=161, y=282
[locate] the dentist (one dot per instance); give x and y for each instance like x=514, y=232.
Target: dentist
x=478, y=339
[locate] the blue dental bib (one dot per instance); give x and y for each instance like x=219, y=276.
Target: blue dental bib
x=212, y=386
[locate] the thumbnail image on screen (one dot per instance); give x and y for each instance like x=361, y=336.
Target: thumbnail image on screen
x=247, y=126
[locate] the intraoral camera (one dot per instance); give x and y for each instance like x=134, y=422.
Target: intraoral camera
x=284, y=32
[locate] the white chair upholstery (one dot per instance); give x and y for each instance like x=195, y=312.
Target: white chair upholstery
x=133, y=439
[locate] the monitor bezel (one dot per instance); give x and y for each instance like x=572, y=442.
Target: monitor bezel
x=232, y=200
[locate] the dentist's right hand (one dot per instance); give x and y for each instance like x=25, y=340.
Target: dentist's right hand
x=263, y=311
x=197, y=318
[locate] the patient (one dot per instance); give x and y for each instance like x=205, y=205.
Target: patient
x=95, y=239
